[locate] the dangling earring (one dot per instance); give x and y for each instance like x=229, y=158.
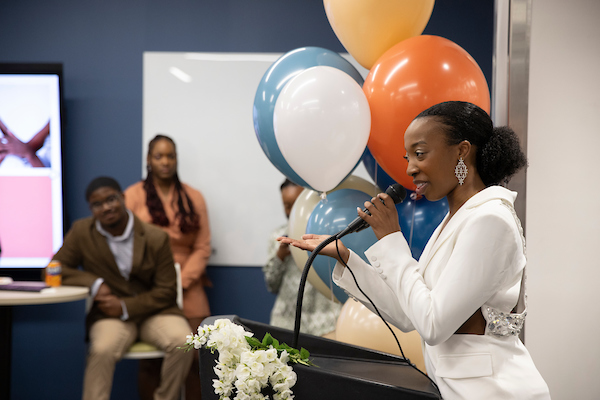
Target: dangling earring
x=461, y=171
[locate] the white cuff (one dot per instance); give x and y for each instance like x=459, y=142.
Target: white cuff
x=125, y=315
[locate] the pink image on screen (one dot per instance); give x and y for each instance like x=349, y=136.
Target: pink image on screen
x=26, y=216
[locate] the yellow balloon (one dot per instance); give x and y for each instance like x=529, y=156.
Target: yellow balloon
x=301, y=211
x=368, y=28
x=359, y=326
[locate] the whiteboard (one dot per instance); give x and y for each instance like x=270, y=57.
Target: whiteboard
x=204, y=102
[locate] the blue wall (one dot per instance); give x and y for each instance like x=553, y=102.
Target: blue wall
x=100, y=44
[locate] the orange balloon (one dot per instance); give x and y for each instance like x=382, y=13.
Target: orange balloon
x=412, y=76
x=359, y=326
x=368, y=28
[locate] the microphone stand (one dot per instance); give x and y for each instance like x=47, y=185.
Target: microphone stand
x=303, y=278
x=397, y=192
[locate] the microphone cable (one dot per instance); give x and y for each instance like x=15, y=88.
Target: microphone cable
x=397, y=192
x=381, y=317
x=303, y=279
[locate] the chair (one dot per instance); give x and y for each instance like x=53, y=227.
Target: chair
x=141, y=350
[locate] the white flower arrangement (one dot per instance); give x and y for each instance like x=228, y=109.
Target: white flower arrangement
x=245, y=364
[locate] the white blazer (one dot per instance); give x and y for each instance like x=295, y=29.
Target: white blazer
x=476, y=261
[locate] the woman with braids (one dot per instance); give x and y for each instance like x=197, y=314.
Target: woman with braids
x=162, y=199
x=465, y=296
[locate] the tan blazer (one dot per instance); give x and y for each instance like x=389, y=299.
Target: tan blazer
x=152, y=286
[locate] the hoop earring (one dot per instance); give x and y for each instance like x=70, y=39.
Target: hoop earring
x=461, y=171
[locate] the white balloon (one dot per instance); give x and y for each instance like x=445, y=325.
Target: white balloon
x=322, y=123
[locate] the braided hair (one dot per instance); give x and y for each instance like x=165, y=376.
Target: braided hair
x=189, y=220
x=498, y=152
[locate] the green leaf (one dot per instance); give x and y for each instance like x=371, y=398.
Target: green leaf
x=275, y=343
x=267, y=340
x=284, y=346
x=304, y=353
x=295, y=356
x=253, y=342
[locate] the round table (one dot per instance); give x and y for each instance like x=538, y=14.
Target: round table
x=60, y=294
x=9, y=298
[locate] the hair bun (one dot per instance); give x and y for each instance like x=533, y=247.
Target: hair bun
x=501, y=156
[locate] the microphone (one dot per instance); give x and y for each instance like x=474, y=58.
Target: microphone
x=395, y=191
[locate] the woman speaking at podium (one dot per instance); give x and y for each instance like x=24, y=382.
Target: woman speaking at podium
x=462, y=294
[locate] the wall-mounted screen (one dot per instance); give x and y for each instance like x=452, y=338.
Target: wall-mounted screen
x=31, y=201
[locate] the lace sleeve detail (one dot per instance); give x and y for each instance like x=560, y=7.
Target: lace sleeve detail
x=499, y=323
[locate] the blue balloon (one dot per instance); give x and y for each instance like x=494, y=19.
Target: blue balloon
x=331, y=216
x=418, y=219
x=379, y=176
x=274, y=80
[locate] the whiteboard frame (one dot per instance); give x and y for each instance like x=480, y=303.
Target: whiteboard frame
x=204, y=102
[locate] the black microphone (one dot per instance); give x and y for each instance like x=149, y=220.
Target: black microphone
x=395, y=191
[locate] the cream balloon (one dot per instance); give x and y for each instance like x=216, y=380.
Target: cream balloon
x=367, y=29
x=359, y=326
x=301, y=211
x=322, y=123
x=303, y=207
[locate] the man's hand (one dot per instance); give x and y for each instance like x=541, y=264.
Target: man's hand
x=107, y=302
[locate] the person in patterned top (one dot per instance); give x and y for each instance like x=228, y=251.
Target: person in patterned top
x=282, y=276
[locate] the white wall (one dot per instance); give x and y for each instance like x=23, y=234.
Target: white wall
x=563, y=192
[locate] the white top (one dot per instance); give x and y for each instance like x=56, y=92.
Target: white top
x=121, y=246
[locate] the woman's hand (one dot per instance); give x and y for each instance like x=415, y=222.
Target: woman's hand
x=384, y=216
x=310, y=242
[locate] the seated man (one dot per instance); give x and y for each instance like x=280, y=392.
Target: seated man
x=128, y=266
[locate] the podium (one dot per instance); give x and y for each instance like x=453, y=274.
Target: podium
x=344, y=371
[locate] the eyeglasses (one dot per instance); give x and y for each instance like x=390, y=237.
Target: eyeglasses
x=110, y=201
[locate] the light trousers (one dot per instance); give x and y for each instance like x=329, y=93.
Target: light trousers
x=110, y=338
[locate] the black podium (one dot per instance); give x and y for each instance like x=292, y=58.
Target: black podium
x=344, y=371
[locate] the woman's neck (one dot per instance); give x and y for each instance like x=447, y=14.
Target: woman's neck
x=461, y=194
x=163, y=185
